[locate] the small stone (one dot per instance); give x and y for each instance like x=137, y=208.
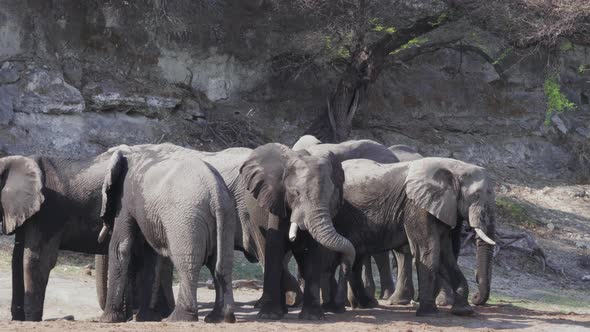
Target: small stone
x=89, y=267
x=551, y=226
x=586, y=277
x=581, y=245
x=8, y=74
x=580, y=193
x=558, y=122
x=88, y=272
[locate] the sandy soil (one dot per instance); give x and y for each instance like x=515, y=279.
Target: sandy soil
x=75, y=295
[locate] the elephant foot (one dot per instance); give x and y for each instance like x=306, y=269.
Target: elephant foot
x=462, y=310
x=311, y=312
x=18, y=315
x=386, y=294
x=334, y=308
x=294, y=298
x=258, y=303
x=218, y=316
x=444, y=299
x=400, y=299
x=113, y=317
x=367, y=302
x=271, y=311
x=182, y=315
x=425, y=310
x=148, y=315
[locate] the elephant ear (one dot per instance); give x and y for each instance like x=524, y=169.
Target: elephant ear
x=111, y=187
x=434, y=188
x=263, y=174
x=21, y=182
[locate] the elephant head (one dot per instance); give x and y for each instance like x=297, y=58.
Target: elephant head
x=308, y=188
x=451, y=189
x=21, y=182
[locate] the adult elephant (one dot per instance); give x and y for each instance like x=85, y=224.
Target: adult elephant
x=184, y=210
x=403, y=291
x=368, y=149
x=418, y=203
x=49, y=204
x=275, y=188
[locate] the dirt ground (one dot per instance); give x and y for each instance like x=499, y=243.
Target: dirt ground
x=524, y=295
x=75, y=296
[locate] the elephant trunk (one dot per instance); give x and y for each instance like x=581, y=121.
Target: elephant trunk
x=101, y=264
x=322, y=230
x=483, y=274
x=483, y=222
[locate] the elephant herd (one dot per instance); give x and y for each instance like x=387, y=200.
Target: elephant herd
x=149, y=209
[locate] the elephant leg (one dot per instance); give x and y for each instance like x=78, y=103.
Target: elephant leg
x=120, y=251
x=368, y=279
x=40, y=256
x=404, y=289
x=148, y=285
x=357, y=294
x=426, y=254
x=220, y=282
x=452, y=275
x=385, y=275
x=166, y=304
x=18, y=284
x=272, y=302
x=291, y=283
x=331, y=301
x=446, y=295
x=312, y=272
x=187, y=252
x=186, y=306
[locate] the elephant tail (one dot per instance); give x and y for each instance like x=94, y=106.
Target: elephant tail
x=226, y=220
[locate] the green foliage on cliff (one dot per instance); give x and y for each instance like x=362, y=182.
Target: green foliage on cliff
x=377, y=26
x=557, y=102
x=412, y=43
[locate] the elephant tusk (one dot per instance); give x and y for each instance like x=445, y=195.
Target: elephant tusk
x=293, y=232
x=484, y=237
x=103, y=233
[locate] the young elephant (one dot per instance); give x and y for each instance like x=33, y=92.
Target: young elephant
x=50, y=204
x=389, y=206
x=182, y=207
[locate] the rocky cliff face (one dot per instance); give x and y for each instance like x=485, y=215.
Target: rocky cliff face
x=77, y=77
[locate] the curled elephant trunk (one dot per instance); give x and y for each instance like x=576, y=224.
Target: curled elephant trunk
x=323, y=231
x=483, y=274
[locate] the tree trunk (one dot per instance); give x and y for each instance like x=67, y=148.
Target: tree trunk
x=334, y=123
